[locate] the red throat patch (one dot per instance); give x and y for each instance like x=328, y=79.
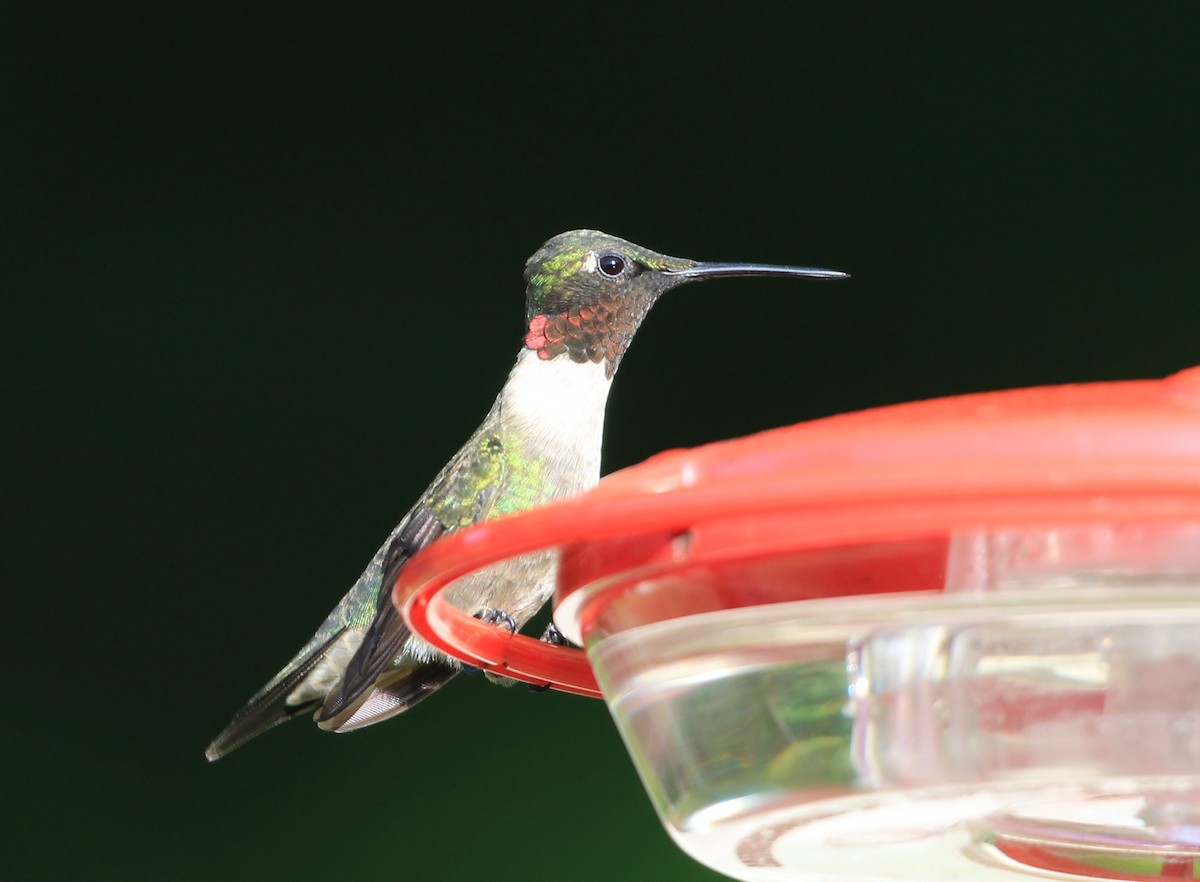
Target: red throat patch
x=595, y=333
x=536, y=338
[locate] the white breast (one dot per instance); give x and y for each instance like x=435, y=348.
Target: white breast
x=556, y=410
x=557, y=406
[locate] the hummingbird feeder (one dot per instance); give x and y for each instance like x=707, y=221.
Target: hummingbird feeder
x=954, y=639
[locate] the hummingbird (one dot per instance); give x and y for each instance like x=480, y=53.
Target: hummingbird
x=586, y=294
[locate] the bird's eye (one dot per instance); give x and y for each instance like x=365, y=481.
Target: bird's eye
x=611, y=265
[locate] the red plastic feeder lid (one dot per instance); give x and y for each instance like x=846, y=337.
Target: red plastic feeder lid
x=1100, y=452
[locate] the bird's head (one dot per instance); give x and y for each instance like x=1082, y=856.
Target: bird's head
x=587, y=292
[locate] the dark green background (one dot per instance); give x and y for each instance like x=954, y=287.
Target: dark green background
x=261, y=276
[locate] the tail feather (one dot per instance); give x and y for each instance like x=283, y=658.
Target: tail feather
x=346, y=675
x=270, y=707
x=380, y=648
x=389, y=697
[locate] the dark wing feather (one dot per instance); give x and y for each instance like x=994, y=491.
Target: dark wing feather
x=268, y=708
x=386, y=635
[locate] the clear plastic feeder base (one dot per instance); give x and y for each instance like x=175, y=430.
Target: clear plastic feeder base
x=1044, y=721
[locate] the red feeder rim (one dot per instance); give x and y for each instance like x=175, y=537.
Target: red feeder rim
x=981, y=462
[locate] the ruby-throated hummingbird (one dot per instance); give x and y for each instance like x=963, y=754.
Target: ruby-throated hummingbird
x=586, y=294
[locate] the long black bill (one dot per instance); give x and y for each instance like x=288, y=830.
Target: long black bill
x=712, y=270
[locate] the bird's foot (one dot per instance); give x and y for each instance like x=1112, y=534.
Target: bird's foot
x=554, y=637
x=490, y=616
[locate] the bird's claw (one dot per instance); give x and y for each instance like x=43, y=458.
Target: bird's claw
x=490, y=616
x=553, y=636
